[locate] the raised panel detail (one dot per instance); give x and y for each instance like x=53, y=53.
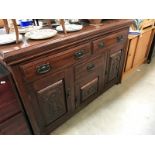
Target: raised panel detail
x=89, y=89
x=114, y=65
x=52, y=101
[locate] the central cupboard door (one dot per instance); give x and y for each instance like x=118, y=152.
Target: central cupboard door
x=52, y=99
x=88, y=80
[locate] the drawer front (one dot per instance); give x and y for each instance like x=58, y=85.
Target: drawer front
x=9, y=105
x=86, y=69
x=111, y=40
x=15, y=126
x=53, y=63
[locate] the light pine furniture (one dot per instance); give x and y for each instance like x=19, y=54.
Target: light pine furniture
x=1, y=23
x=138, y=48
x=143, y=46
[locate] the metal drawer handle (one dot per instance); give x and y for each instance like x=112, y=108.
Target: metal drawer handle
x=44, y=68
x=90, y=67
x=120, y=38
x=2, y=82
x=101, y=45
x=79, y=54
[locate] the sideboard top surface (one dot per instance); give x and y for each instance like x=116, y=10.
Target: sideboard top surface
x=15, y=53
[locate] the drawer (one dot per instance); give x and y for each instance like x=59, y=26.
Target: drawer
x=16, y=125
x=50, y=64
x=93, y=66
x=9, y=105
x=109, y=41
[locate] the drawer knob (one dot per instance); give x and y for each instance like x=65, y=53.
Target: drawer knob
x=79, y=54
x=90, y=67
x=119, y=38
x=101, y=45
x=44, y=68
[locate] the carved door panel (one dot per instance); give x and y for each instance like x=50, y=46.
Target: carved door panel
x=114, y=65
x=52, y=101
x=52, y=98
x=86, y=90
x=89, y=89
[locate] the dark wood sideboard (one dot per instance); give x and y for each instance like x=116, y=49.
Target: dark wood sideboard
x=59, y=76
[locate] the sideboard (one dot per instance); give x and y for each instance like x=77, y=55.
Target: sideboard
x=58, y=77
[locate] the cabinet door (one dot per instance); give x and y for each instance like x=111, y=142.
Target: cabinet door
x=52, y=99
x=142, y=48
x=114, y=66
